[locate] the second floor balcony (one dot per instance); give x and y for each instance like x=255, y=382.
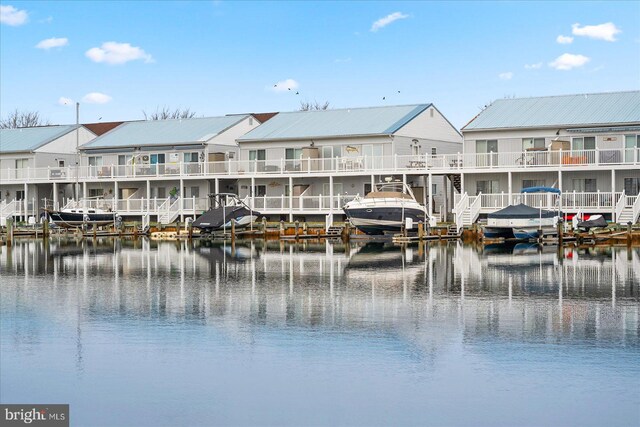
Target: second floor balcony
x=443, y=163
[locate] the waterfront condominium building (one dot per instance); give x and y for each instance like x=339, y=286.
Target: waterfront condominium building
x=586, y=145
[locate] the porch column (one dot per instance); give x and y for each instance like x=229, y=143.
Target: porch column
x=25, y=202
x=462, y=190
x=55, y=195
x=331, y=199
x=216, y=185
x=252, y=191
x=181, y=200
x=116, y=190
x=148, y=195
x=445, y=193
x=561, y=190
x=613, y=195
x=84, y=194
x=404, y=179
x=208, y=192
x=373, y=183
x=510, y=185
x=290, y=199
x=430, y=193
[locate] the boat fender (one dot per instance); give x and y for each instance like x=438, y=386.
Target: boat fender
x=85, y=218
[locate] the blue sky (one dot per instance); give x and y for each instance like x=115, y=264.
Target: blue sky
x=119, y=59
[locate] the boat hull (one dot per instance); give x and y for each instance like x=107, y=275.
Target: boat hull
x=381, y=220
x=497, y=232
x=220, y=218
x=77, y=219
x=526, y=233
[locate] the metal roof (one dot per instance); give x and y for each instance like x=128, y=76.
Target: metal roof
x=563, y=111
x=335, y=123
x=164, y=132
x=20, y=140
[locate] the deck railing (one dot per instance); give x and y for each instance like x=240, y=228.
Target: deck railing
x=347, y=164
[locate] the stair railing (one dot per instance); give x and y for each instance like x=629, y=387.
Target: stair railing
x=459, y=209
x=620, y=205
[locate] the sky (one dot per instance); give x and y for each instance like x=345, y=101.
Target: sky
x=121, y=59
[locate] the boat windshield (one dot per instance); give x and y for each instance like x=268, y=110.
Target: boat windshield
x=391, y=189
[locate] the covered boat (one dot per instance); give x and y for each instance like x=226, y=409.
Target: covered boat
x=386, y=209
x=224, y=208
x=522, y=222
x=594, y=221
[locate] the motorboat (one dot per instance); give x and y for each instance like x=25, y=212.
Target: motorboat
x=522, y=221
x=77, y=217
x=389, y=208
x=225, y=207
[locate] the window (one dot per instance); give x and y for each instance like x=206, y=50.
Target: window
x=60, y=163
x=487, y=187
x=487, y=146
x=526, y=183
x=632, y=186
x=124, y=159
x=95, y=160
x=292, y=153
x=95, y=192
x=532, y=143
x=192, y=192
x=434, y=189
x=587, y=185
x=586, y=143
x=337, y=188
x=260, y=190
x=631, y=143
x=21, y=166
x=367, y=189
x=191, y=157
x=158, y=192
x=257, y=158
x=157, y=159
x=20, y=195
x=373, y=156
x=434, y=151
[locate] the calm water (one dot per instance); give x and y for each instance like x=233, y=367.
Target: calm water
x=169, y=333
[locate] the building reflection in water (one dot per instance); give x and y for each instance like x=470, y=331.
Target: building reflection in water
x=518, y=292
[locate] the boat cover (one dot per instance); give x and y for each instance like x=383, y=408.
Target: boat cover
x=521, y=211
x=597, y=221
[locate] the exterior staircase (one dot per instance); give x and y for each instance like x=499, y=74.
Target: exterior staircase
x=8, y=210
x=467, y=211
x=334, y=231
x=628, y=209
x=456, y=180
x=168, y=211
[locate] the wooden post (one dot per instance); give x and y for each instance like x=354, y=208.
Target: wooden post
x=45, y=229
x=233, y=230
x=560, y=235
x=190, y=230
x=94, y=230
x=305, y=230
x=629, y=236
x=264, y=227
x=297, y=223
x=281, y=228
x=420, y=231
x=347, y=231
x=9, y=231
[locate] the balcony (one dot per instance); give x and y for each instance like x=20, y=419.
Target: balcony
x=444, y=163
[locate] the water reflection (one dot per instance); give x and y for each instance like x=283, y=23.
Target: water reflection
x=424, y=306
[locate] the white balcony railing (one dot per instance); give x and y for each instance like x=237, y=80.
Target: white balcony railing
x=447, y=163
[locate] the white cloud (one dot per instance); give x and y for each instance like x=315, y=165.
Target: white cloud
x=96, y=98
x=606, y=31
x=11, y=16
x=383, y=22
x=67, y=102
x=568, y=61
x=564, y=39
x=52, y=42
x=285, y=85
x=342, y=60
x=117, y=53
x=535, y=66
x=506, y=76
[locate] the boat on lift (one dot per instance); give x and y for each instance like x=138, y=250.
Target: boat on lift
x=522, y=221
x=225, y=207
x=77, y=217
x=386, y=209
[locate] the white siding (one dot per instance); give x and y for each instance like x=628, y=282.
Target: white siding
x=435, y=128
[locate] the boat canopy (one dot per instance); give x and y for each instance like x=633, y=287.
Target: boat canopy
x=540, y=190
x=521, y=211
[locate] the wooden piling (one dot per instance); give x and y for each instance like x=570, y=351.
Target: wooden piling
x=233, y=230
x=45, y=229
x=420, y=231
x=9, y=231
x=264, y=228
x=190, y=230
x=629, y=236
x=297, y=224
x=560, y=233
x=281, y=228
x=95, y=227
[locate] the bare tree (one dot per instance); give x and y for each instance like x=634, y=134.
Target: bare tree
x=23, y=119
x=315, y=105
x=166, y=113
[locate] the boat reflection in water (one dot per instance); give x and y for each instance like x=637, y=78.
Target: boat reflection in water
x=383, y=327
